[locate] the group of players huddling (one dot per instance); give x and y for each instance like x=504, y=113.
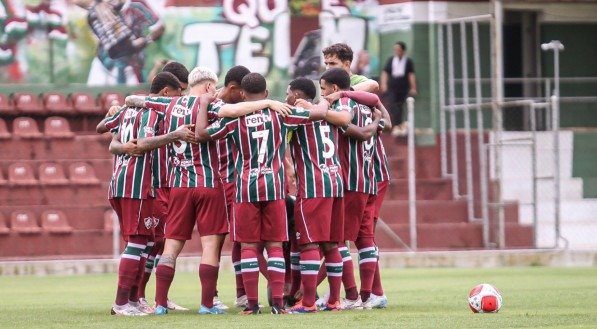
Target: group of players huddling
x=216, y=159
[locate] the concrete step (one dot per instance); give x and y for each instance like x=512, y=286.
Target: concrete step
x=522, y=189
x=427, y=189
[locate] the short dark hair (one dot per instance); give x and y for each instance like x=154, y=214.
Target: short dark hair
x=402, y=45
x=337, y=76
x=341, y=50
x=305, y=85
x=253, y=83
x=236, y=74
x=179, y=71
x=162, y=80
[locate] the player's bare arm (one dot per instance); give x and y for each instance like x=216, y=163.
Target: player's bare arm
x=366, y=132
x=201, y=134
x=244, y=108
x=317, y=111
x=135, y=100
x=101, y=127
x=370, y=85
x=182, y=133
x=130, y=147
x=366, y=98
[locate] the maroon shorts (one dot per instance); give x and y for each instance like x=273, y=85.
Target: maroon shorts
x=134, y=215
x=358, y=215
x=260, y=221
x=319, y=220
x=382, y=188
x=230, y=190
x=203, y=206
x=160, y=210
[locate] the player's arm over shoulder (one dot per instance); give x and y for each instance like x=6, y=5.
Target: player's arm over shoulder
x=359, y=82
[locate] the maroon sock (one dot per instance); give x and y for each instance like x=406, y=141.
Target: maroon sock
x=295, y=272
x=250, y=271
x=163, y=279
x=240, y=288
x=276, y=269
x=367, y=265
x=333, y=265
x=322, y=274
x=350, y=285
x=309, y=268
x=129, y=267
x=208, y=275
x=377, y=288
x=262, y=263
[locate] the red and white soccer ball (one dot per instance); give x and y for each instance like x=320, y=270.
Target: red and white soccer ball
x=485, y=298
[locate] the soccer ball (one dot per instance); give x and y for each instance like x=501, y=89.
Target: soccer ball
x=485, y=298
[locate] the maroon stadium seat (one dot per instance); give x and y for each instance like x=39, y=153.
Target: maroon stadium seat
x=84, y=103
x=23, y=221
x=52, y=174
x=21, y=173
x=82, y=173
x=6, y=105
x=3, y=227
x=56, y=103
x=57, y=127
x=4, y=134
x=107, y=99
x=25, y=127
x=54, y=221
x=28, y=103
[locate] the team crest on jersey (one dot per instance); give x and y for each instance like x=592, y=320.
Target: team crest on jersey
x=130, y=112
x=149, y=131
x=256, y=120
x=148, y=222
x=365, y=109
x=215, y=124
x=180, y=111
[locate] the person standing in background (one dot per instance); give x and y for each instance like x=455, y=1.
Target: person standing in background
x=398, y=81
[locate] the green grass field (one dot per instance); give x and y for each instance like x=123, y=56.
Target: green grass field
x=534, y=297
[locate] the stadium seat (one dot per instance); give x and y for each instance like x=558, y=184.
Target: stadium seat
x=57, y=127
x=4, y=133
x=3, y=227
x=56, y=103
x=109, y=220
x=24, y=221
x=84, y=103
x=54, y=221
x=28, y=103
x=20, y=173
x=6, y=105
x=52, y=174
x=82, y=173
x=25, y=127
x=108, y=99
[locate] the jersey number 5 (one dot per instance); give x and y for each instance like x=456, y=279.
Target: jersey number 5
x=327, y=142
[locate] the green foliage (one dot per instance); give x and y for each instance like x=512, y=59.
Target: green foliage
x=534, y=297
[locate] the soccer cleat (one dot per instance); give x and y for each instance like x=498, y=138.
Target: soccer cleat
x=323, y=301
x=213, y=310
x=241, y=301
x=300, y=308
x=348, y=304
x=142, y=306
x=278, y=310
x=173, y=306
x=379, y=301
x=251, y=311
x=219, y=304
x=366, y=305
x=332, y=307
x=160, y=310
x=125, y=310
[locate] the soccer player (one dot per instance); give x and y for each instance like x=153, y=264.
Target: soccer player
x=196, y=194
x=319, y=209
x=340, y=55
x=356, y=149
x=131, y=193
x=259, y=211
